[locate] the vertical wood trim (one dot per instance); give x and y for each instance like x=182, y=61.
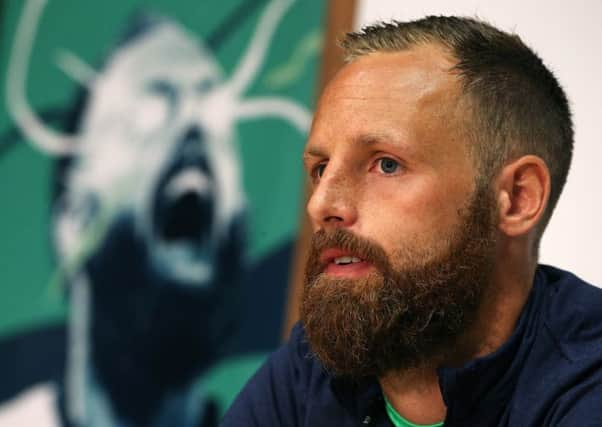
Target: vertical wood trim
x=340, y=18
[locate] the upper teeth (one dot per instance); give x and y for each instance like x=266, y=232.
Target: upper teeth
x=189, y=180
x=346, y=260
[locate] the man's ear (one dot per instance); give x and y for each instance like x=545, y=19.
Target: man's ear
x=523, y=189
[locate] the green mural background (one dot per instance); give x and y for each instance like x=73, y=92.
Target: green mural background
x=270, y=149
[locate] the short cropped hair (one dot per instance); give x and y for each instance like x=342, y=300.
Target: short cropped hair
x=518, y=107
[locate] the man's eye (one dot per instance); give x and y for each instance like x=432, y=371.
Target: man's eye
x=318, y=170
x=387, y=165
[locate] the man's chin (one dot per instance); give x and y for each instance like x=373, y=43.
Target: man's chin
x=333, y=308
x=357, y=330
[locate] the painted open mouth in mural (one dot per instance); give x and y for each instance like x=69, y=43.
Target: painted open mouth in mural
x=183, y=213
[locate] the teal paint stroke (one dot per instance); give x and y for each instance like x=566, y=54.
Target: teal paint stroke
x=223, y=382
x=285, y=74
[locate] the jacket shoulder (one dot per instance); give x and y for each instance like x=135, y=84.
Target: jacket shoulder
x=277, y=394
x=573, y=314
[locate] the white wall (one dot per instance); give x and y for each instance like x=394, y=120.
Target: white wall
x=567, y=35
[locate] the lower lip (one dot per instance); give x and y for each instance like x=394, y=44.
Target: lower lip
x=351, y=271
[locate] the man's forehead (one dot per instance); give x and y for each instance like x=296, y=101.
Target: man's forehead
x=411, y=97
x=414, y=72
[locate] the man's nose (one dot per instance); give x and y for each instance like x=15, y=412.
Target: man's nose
x=333, y=202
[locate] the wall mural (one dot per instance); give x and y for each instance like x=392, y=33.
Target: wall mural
x=155, y=191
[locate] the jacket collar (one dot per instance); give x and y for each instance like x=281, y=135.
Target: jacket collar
x=488, y=382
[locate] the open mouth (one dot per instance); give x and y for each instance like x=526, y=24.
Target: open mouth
x=341, y=263
x=184, y=204
x=184, y=213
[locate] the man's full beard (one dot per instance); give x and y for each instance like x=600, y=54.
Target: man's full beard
x=408, y=312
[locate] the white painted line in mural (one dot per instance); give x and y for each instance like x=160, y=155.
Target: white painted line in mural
x=40, y=135
x=36, y=405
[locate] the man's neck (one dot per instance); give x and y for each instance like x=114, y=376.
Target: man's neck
x=415, y=394
x=499, y=312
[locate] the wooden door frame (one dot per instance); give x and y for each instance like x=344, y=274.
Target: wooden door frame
x=339, y=20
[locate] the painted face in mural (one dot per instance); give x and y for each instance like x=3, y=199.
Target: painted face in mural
x=404, y=237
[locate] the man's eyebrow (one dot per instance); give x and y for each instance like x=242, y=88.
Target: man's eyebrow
x=367, y=140
x=314, y=152
x=364, y=140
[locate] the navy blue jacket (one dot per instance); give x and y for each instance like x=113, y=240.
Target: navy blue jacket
x=549, y=373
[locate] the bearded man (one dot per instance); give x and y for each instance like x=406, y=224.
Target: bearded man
x=436, y=157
